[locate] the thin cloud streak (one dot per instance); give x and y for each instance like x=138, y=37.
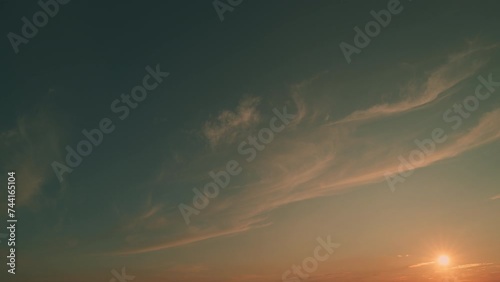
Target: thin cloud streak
x=438, y=82
x=229, y=124
x=422, y=264
x=302, y=164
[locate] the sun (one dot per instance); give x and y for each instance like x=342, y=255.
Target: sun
x=443, y=260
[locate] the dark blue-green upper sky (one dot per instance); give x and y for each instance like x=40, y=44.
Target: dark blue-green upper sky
x=337, y=168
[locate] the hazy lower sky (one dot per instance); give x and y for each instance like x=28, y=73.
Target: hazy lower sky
x=390, y=151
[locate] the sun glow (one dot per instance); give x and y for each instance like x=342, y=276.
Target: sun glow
x=443, y=260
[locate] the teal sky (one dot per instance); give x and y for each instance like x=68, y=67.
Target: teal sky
x=324, y=174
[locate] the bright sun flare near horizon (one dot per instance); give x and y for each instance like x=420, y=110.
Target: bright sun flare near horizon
x=443, y=260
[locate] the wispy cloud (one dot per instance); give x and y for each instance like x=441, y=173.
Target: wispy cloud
x=471, y=265
x=29, y=147
x=495, y=197
x=228, y=125
x=437, y=83
x=422, y=264
x=317, y=160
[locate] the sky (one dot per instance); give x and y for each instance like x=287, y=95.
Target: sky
x=251, y=141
